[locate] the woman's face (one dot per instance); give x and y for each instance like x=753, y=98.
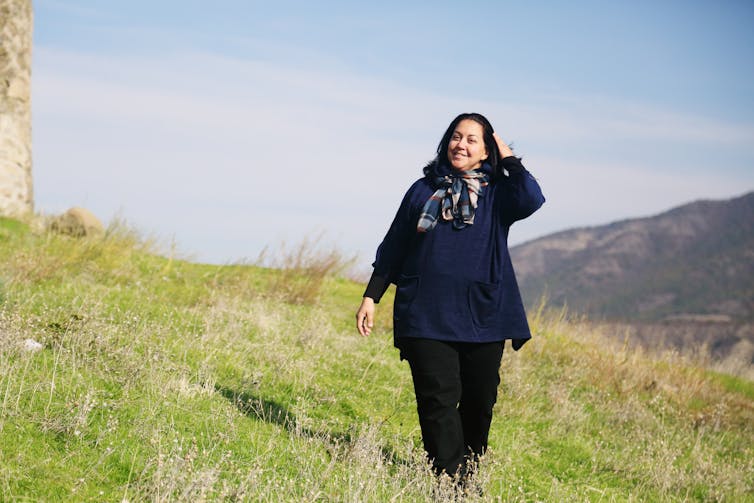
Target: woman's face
x=466, y=149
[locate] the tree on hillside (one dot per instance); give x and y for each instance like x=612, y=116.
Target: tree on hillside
x=15, y=107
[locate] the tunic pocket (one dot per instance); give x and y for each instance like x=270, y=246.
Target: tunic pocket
x=407, y=287
x=484, y=301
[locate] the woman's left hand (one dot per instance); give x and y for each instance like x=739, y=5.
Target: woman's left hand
x=504, y=149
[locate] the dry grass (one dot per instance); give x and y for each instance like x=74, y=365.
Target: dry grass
x=302, y=269
x=167, y=381
x=661, y=420
x=725, y=346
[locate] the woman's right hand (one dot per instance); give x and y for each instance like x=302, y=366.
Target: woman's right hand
x=365, y=316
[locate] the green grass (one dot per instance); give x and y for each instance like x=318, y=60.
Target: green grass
x=164, y=380
x=734, y=384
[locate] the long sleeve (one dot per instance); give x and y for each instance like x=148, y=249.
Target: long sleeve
x=521, y=194
x=376, y=287
x=392, y=251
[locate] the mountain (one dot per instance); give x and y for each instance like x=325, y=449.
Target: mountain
x=691, y=263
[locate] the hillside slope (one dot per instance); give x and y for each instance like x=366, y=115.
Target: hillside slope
x=127, y=376
x=694, y=261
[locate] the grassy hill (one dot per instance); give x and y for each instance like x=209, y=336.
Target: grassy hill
x=163, y=380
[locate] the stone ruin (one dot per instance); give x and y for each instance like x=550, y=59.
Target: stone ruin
x=16, y=196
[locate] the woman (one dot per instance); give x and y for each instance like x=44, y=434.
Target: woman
x=457, y=299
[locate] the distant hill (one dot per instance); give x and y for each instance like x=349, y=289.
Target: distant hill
x=693, y=263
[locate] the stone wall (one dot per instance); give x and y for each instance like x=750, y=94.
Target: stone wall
x=16, y=197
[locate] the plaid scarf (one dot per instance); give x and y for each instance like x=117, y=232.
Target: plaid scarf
x=455, y=199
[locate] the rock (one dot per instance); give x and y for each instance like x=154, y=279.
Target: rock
x=77, y=222
x=32, y=345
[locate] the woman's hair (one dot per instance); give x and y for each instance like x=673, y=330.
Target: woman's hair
x=493, y=154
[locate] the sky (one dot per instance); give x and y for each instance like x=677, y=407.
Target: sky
x=221, y=128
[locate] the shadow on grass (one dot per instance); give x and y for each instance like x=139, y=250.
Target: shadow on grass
x=260, y=408
x=270, y=411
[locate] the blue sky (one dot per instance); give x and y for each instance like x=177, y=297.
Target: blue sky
x=242, y=125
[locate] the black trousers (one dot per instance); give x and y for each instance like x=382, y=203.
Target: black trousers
x=456, y=387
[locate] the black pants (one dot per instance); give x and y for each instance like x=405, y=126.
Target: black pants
x=456, y=387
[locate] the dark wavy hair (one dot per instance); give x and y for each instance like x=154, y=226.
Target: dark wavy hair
x=493, y=154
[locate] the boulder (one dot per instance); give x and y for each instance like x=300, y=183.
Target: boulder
x=77, y=222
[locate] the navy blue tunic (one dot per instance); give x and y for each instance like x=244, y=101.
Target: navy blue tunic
x=458, y=284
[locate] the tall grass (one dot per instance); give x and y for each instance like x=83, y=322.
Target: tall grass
x=301, y=270
x=163, y=380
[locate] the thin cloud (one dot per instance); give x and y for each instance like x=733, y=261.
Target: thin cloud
x=267, y=151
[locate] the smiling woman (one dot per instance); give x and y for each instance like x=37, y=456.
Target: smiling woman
x=466, y=149
x=457, y=300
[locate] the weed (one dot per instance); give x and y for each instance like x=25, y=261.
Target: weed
x=302, y=269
